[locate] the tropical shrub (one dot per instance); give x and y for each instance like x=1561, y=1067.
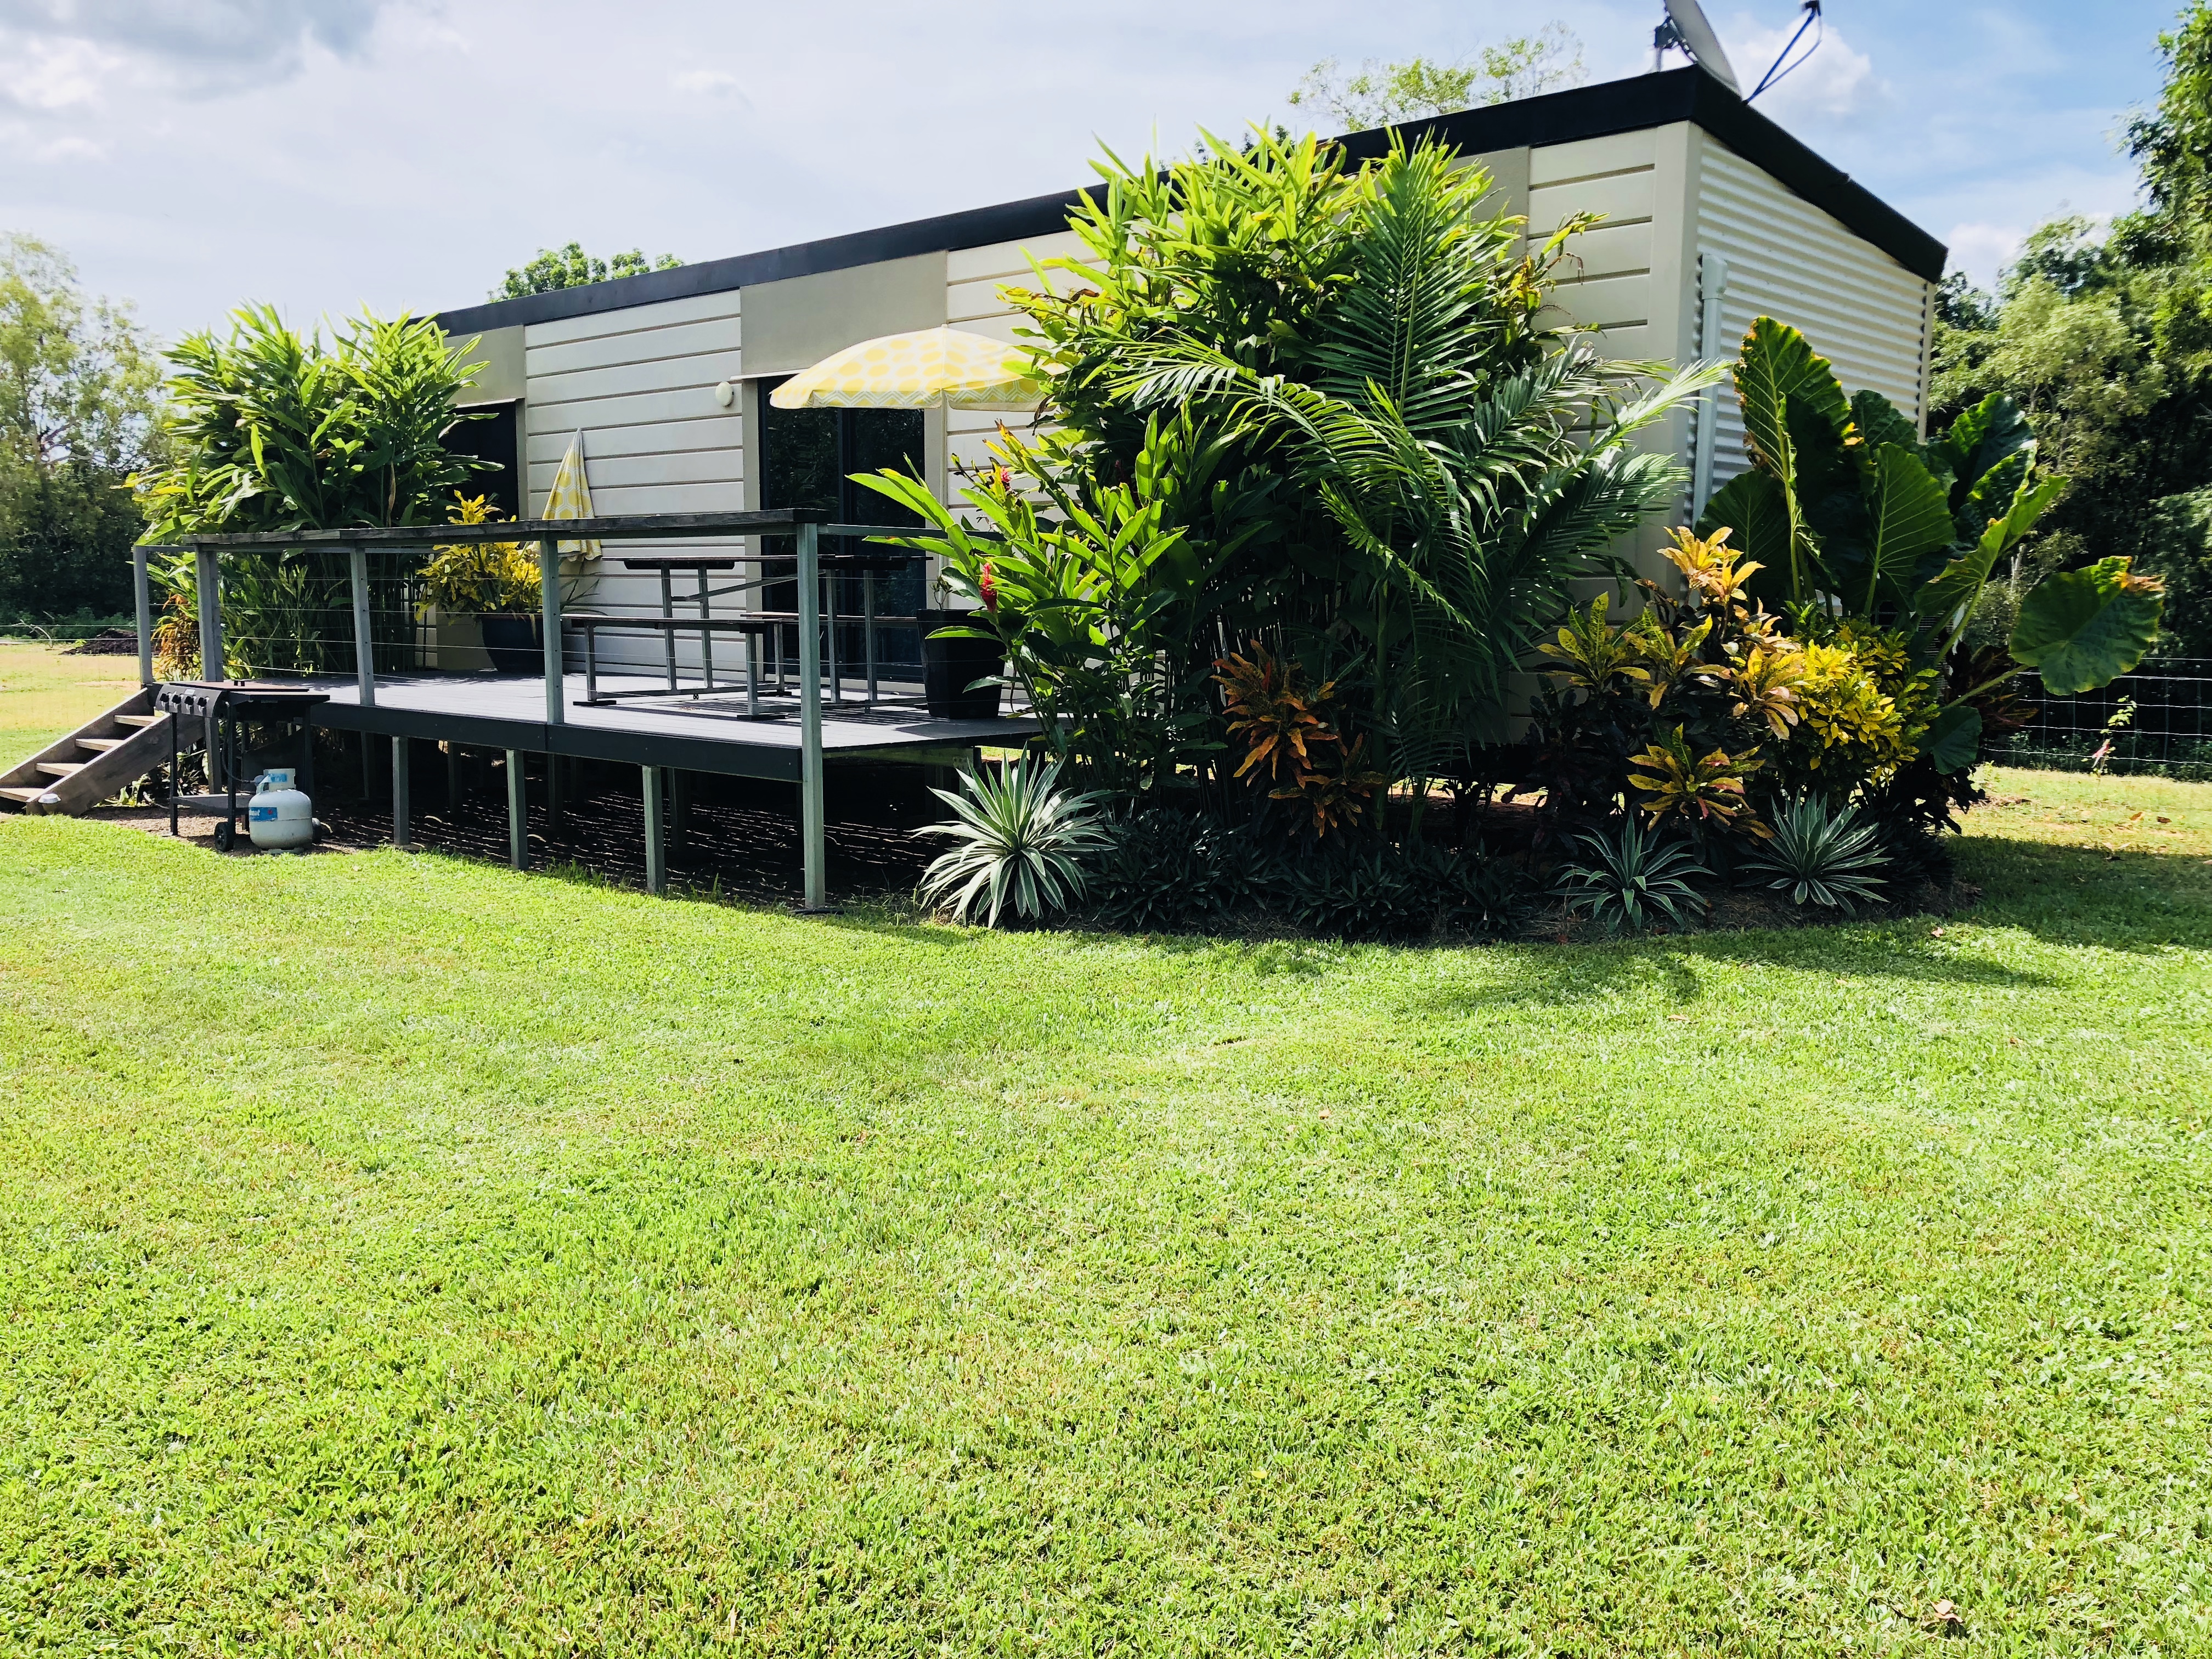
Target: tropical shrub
x=480, y=578
x=1853, y=518
x=1631, y=878
x=1306, y=408
x=1022, y=840
x=1822, y=855
x=1163, y=871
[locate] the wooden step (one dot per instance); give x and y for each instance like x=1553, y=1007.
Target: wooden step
x=75, y=774
x=101, y=745
x=141, y=720
x=23, y=795
x=60, y=769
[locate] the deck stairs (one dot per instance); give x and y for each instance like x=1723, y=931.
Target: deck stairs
x=82, y=769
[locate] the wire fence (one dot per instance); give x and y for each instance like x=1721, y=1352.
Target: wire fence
x=2151, y=723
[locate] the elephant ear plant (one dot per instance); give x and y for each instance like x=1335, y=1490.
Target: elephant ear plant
x=1854, y=517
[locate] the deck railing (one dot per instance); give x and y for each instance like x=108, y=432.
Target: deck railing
x=385, y=590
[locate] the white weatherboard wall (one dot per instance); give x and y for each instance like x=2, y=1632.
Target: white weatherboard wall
x=639, y=383
x=1862, y=310
x=973, y=279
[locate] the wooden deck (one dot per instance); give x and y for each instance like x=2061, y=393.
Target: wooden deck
x=712, y=733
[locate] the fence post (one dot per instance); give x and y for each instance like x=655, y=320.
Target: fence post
x=207, y=566
x=142, y=591
x=364, y=635
x=813, y=837
x=549, y=591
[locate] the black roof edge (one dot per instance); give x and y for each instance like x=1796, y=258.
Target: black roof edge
x=1554, y=118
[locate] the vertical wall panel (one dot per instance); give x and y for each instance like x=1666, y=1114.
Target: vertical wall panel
x=1862, y=310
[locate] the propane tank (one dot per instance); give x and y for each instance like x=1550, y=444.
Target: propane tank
x=279, y=816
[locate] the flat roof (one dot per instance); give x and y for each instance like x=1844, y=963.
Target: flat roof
x=1556, y=117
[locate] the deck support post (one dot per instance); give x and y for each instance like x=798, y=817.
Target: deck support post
x=208, y=569
x=656, y=834
x=364, y=639
x=813, y=835
x=518, y=812
x=679, y=791
x=549, y=590
x=402, y=830
x=142, y=591
x=553, y=800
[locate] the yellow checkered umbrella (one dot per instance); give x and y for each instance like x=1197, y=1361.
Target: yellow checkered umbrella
x=571, y=497
x=928, y=368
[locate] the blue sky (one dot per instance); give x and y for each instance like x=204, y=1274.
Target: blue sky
x=324, y=154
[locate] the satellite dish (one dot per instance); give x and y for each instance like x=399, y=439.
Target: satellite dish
x=1685, y=31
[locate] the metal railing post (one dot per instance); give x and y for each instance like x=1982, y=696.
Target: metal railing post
x=656, y=830
x=518, y=812
x=142, y=591
x=207, y=567
x=549, y=591
x=403, y=827
x=813, y=836
x=364, y=635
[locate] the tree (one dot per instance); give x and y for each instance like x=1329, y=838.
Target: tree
x=2105, y=341
x=571, y=267
x=77, y=389
x=1378, y=94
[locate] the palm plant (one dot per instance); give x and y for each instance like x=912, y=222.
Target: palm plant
x=1823, y=857
x=1022, y=838
x=1632, y=878
x=1472, y=465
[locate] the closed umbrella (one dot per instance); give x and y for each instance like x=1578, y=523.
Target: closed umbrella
x=571, y=497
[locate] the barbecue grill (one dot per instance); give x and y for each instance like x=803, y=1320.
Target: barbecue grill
x=222, y=704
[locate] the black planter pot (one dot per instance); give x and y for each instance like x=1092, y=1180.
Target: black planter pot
x=948, y=668
x=516, y=644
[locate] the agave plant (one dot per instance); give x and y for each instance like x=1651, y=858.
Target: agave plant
x=1823, y=857
x=1632, y=877
x=1021, y=838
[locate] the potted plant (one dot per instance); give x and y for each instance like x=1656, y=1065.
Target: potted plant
x=959, y=648
x=495, y=582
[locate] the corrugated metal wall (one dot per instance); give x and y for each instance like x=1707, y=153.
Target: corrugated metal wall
x=640, y=385
x=1786, y=259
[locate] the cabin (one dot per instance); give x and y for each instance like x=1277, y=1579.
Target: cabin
x=1713, y=215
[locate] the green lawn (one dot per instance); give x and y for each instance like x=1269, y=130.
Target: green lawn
x=45, y=693
x=405, y=1256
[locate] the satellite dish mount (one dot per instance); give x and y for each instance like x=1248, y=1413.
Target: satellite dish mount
x=1685, y=31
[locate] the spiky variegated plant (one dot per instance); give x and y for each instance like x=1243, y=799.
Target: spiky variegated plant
x=1632, y=877
x=1022, y=839
x=1822, y=857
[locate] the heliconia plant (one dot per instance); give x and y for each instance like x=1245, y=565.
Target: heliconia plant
x=1847, y=508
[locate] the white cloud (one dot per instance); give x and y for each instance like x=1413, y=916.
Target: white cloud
x=203, y=46
x=47, y=76
x=711, y=83
x=1984, y=250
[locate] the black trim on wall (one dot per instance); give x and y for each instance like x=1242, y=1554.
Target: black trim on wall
x=1556, y=117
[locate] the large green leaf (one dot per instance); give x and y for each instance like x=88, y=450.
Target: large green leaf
x=1751, y=505
x=1881, y=422
x=1986, y=437
x=1911, y=516
x=1778, y=368
x=1955, y=585
x=2083, y=628
x=1954, y=741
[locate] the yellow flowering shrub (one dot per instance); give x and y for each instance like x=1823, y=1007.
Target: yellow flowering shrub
x=479, y=578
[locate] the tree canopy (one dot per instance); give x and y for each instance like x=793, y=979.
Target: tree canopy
x=1377, y=95
x=77, y=389
x=2104, y=337
x=571, y=267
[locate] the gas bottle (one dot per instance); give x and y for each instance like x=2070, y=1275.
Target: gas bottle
x=279, y=816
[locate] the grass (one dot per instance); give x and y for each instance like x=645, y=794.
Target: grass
x=44, y=694
x=402, y=1256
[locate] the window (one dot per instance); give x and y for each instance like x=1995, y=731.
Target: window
x=493, y=441
x=807, y=458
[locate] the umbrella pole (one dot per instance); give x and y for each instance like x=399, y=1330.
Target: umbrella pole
x=812, y=831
